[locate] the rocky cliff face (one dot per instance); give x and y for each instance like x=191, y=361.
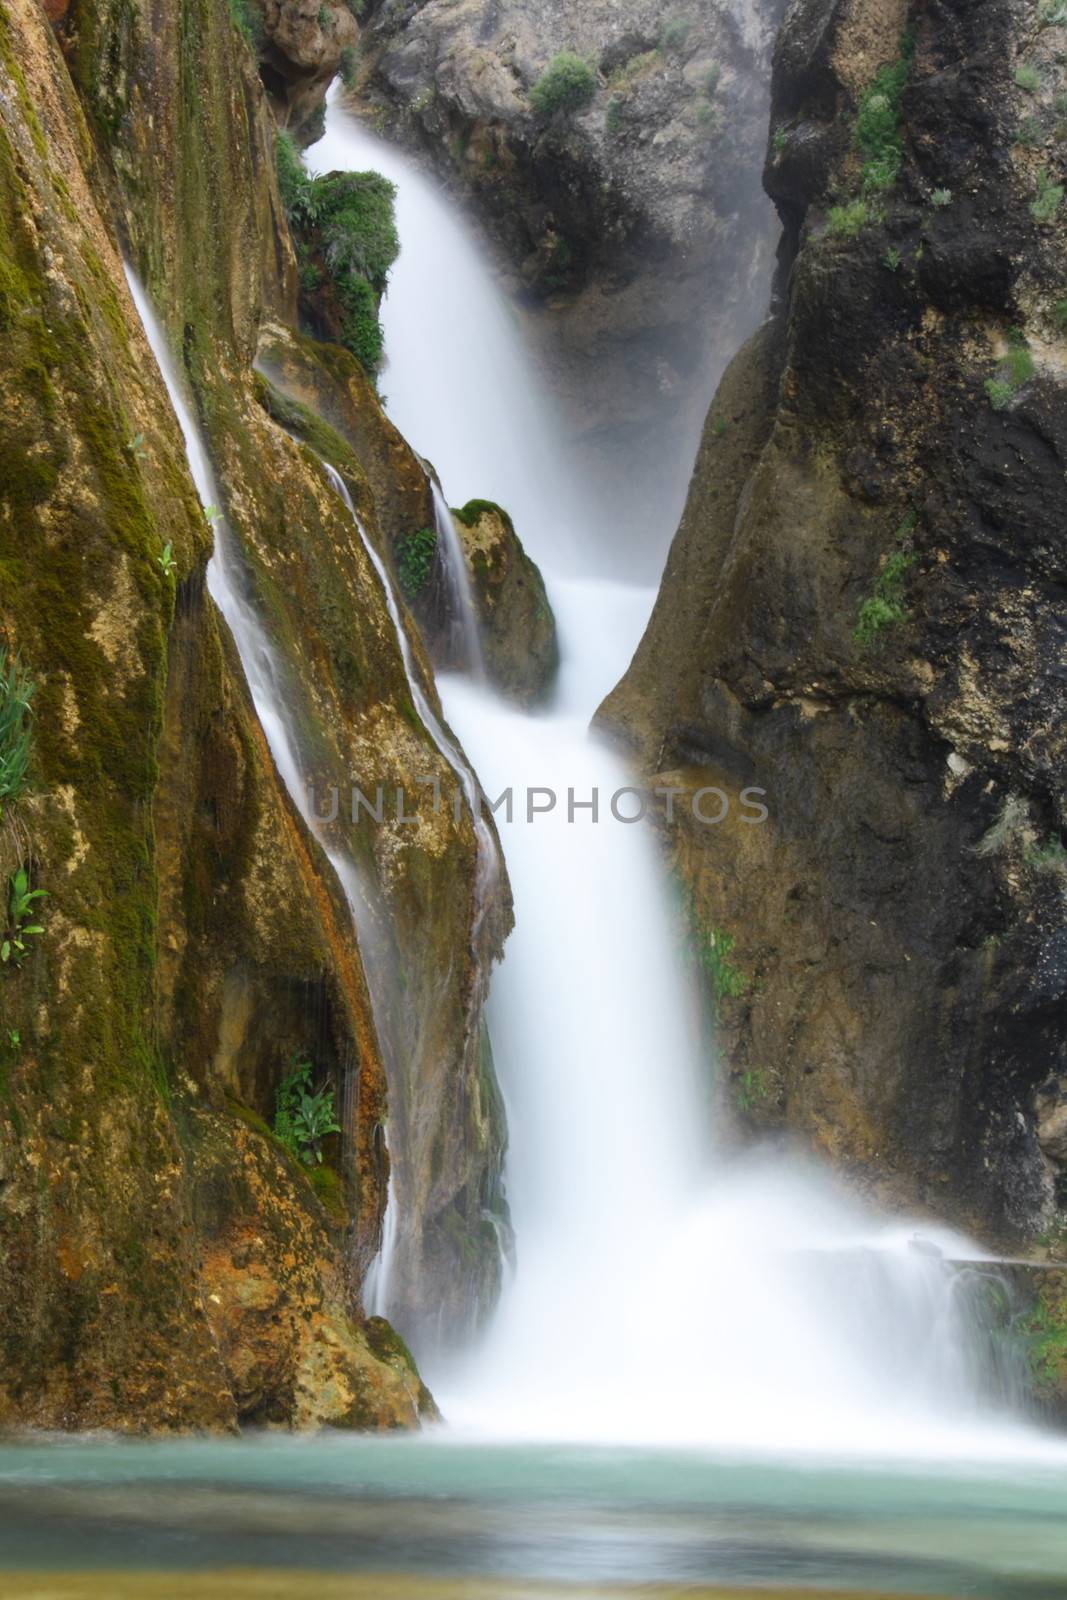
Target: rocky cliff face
x=632, y=226
x=165, y=1261
x=862, y=615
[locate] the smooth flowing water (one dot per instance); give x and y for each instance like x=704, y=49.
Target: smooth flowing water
x=662, y=1292
x=783, y=1392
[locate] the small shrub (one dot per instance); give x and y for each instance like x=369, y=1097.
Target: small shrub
x=1030, y=133
x=348, y=66
x=166, y=562
x=847, y=220
x=1053, y=12
x=752, y=1087
x=711, y=79
x=304, y=1115
x=613, y=115
x=673, y=35
x=707, y=115
x=325, y=18
x=1028, y=78
x=357, y=223
x=247, y=20
x=941, y=198
x=567, y=84
x=16, y=699
x=892, y=259
x=878, y=121
x=1000, y=392
x=1058, y=315
x=415, y=554
x=778, y=141
x=1049, y=198
x=887, y=606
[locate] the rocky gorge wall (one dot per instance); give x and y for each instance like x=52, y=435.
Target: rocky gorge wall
x=631, y=228
x=863, y=614
x=165, y=1261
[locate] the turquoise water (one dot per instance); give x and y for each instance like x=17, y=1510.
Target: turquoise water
x=443, y=1508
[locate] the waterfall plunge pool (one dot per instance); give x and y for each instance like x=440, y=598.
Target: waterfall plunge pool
x=440, y=1518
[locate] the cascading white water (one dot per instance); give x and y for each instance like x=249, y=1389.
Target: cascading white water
x=468, y=658
x=660, y=1293
x=265, y=684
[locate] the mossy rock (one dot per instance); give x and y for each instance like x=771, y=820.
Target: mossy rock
x=518, y=629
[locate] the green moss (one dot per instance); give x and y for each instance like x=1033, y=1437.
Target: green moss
x=299, y=420
x=475, y=510
x=330, y=1191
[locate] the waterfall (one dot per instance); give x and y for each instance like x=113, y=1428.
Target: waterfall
x=666, y=1289
x=266, y=685
x=468, y=656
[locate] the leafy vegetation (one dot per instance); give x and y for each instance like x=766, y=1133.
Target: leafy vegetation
x=1048, y=199
x=727, y=981
x=166, y=562
x=752, y=1087
x=1016, y=369
x=887, y=605
x=304, y=1115
x=567, y=84
x=1028, y=78
x=348, y=66
x=16, y=700
x=1048, y=857
x=892, y=259
x=878, y=122
x=847, y=220
x=344, y=229
x=247, y=20
x=941, y=198
x=673, y=35
x=711, y=79
x=414, y=560
x=20, y=902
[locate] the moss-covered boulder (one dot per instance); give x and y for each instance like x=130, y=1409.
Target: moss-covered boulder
x=518, y=630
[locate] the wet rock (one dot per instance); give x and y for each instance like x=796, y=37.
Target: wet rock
x=518, y=630
x=861, y=616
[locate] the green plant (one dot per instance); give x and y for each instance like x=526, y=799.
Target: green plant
x=1058, y=315
x=348, y=65
x=325, y=18
x=1053, y=12
x=999, y=392
x=247, y=20
x=1030, y=133
x=20, y=900
x=719, y=427
x=166, y=561
x=1048, y=857
x=711, y=79
x=887, y=606
x=878, y=121
x=295, y=187
x=613, y=115
x=673, y=35
x=357, y=7
x=707, y=115
x=1011, y=820
x=727, y=981
x=847, y=220
x=779, y=139
x=303, y=1115
x=892, y=259
x=135, y=446
x=941, y=198
x=16, y=700
x=357, y=223
x=752, y=1087
x=1016, y=369
x=1028, y=78
x=567, y=84
x=1049, y=198
x=415, y=554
